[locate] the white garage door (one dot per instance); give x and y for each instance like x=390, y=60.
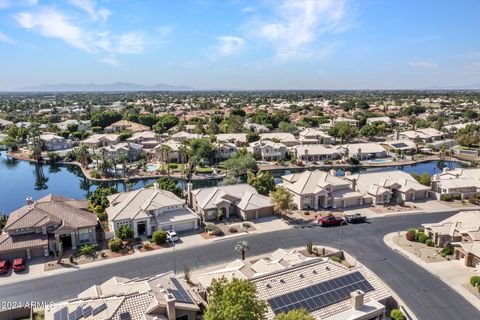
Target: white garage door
x=184, y=226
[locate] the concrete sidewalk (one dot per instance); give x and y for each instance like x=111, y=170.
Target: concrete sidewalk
x=453, y=273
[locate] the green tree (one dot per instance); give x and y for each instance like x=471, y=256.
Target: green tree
x=98, y=198
x=104, y=118
x=396, y=314
x=124, y=232
x=252, y=137
x=240, y=163
x=283, y=201
x=234, y=300
x=296, y=314
x=262, y=182
x=159, y=237
x=169, y=184
x=82, y=155
x=202, y=149
x=342, y=130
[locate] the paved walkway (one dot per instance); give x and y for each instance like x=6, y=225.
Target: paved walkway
x=453, y=273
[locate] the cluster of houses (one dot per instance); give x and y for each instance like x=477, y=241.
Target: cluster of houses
x=309, y=145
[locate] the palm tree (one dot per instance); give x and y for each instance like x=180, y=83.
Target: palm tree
x=165, y=149
x=36, y=143
x=105, y=166
x=183, y=150
x=123, y=159
x=96, y=158
x=242, y=247
x=82, y=155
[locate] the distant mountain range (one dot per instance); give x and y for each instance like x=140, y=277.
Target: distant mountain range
x=475, y=86
x=118, y=86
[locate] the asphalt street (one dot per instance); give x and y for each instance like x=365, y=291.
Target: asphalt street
x=426, y=295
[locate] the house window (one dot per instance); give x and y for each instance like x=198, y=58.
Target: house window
x=83, y=236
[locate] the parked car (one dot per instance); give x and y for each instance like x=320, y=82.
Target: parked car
x=4, y=266
x=172, y=236
x=18, y=264
x=331, y=221
x=355, y=218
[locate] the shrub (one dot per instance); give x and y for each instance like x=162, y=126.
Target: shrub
x=70, y=258
x=146, y=245
x=233, y=230
x=411, y=234
x=88, y=250
x=246, y=225
x=95, y=174
x=336, y=259
x=475, y=280
x=421, y=230
x=456, y=197
x=429, y=243
x=307, y=213
x=447, y=250
x=472, y=199
x=446, y=197
x=115, y=244
x=397, y=315
x=213, y=229
x=124, y=232
x=421, y=237
x=159, y=237
x=102, y=216
x=173, y=165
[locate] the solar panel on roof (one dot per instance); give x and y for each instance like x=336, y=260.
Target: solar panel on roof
x=99, y=309
x=87, y=311
x=78, y=313
x=180, y=294
x=399, y=145
x=321, y=294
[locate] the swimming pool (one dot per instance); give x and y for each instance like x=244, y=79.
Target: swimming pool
x=380, y=160
x=151, y=167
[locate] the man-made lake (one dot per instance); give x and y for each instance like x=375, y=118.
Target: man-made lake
x=20, y=179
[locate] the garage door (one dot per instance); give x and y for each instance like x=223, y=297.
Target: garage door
x=352, y=202
x=420, y=195
x=14, y=254
x=37, y=252
x=184, y=226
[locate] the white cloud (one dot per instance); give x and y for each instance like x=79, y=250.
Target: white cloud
x=5, y=38
x=131, y=42
x=230, y=45
x=54, y=24
x=423, y=65
x=474, y=53
x=6, y=4
x=299, y=24
x=248, y=9
x=110, y=61
x=90, y=7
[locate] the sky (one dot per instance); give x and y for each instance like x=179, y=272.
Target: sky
x=239, y=44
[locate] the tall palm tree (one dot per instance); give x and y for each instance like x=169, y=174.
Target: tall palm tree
x=242, y=247
x=105, y=166
x=36, y=142
x=165, y=149
x=123, y=159
x=82, y=155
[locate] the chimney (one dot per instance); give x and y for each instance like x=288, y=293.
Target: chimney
x=396, y=135
x=156, y=186
x=357, y=299
x=347, y=173
x=354, y=184
x=171, y=314
x=333, y=172
x=29, y=200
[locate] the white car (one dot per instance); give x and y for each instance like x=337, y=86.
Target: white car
x=172, y=236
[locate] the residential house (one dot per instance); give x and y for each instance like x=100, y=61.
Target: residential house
x=352, y=122
x=364, y=151
x=314, y=136
x=285, y=138
x=183, y=136
x=461, y=182
x=325, y=289
x=268, y=150
x=385, y=119
x=382, y=187
x=163, y=296
x=40, y=226
x=319, y=189
x=241, y=200
x=425, y=135
x=5, y=123
x=82, y=125
x=255, y=127
x=239, y=139
x=224, y=151
x=316, y=152
x=150, y=209
x=169, y=151
x=404, y=146
x=125, y=125
x=52, y=142
x=148, y=139
x=113, y=152
x=100, y=140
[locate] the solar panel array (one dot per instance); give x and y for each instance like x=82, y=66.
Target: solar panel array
x=399, y=145
x=180, y=294
x=125, y=316
x=78, y=313
x=321, y=294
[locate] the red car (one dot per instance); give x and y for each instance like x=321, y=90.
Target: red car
x=4, y=265
x=18, y=264
x=331, y=221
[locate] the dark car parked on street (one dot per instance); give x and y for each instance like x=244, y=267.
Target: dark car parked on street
x=355, y=218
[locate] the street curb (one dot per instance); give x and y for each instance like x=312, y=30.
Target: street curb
x=473, y=300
